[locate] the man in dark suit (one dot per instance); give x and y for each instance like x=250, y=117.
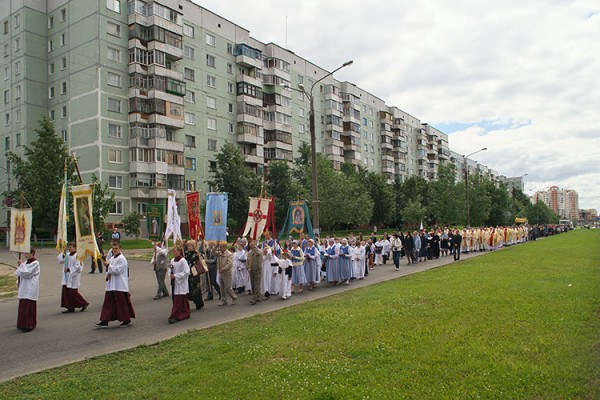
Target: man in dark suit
x=456, y=241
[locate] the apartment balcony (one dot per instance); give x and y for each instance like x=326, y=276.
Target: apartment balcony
x=432, y=151
x=162, y=95
x=158, y=193
x=276, y=144
x=250, y=80
x=387, y=169
x=249, y=118
x=350, y=147
x=249, y=138
x=155, y=69
x=444, y=154
x=140, y=193
x=278, y=126
x=354, y=161
x=333, y=96
x=336, y=158
x=172, y=52
x=254, y=159
x=387, y=157
x=255, y=101
x=160, y=143
x=386, y=146
x=330, y=142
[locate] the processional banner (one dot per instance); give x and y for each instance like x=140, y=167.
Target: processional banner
x=216, y=217
x=20, y=230
x=84, y=222
x=297, y=220
x=193, y=211
x=173, y=220
x=258, y=216
x=155, y=219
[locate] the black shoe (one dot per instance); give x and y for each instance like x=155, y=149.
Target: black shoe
x=209, y=297
x=125, y=324
x=267, y=295
x=26, y=330
x=91, y=272
x=101, y=324
x=172, y=320
x=70, y=310
x=85, y=307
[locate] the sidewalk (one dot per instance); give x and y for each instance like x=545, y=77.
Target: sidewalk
x=66, y=338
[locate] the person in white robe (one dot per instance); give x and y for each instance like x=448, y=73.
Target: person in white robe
x=179, y=273
x=28, y=276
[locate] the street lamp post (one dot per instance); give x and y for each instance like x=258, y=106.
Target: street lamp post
x=467, y=183
x=313, y=145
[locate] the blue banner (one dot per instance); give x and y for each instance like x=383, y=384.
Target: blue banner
x=216, y=218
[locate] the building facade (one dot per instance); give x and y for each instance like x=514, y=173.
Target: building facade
x=145, y=93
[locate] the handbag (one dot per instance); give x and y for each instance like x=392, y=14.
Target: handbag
x=203, y=266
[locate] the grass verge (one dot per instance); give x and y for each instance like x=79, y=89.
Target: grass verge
x=521, y=323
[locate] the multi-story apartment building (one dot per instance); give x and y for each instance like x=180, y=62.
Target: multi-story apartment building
x=146, y=92
x=564, y=202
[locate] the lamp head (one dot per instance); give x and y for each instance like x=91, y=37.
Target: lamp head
x=347, y=63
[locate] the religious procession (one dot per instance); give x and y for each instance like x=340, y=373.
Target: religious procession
x=209, y=266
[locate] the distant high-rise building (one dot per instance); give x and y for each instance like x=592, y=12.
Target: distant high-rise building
x=564, y=202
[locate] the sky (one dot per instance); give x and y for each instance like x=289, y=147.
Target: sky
x=521, y=78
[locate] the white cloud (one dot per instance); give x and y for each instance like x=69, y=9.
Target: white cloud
x=529, y=67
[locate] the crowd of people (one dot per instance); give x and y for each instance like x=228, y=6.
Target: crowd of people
x=261, y=270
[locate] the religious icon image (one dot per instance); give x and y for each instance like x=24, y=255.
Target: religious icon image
x=83, y=216
x=217, y=218
x=298, y=216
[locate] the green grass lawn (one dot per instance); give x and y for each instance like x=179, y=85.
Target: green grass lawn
x=521, y=323
x=8, y=286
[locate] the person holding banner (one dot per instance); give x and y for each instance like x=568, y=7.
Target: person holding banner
x=193, y=260
x=29, y=288
x=159, y=262
x=71, y=280
x=117, y=301
x=180, y=271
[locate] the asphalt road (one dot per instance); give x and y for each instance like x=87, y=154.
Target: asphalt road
x=66, y=338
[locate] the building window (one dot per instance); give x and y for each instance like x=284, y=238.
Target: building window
x=301, y=112
x=211, y=81
x=118, y=207
x=18, y=115
x=210, y=61
x=114, y=105
x=17, y=44
x=6, y=143
x=190, y=141
x=50, y=46
x=231, y=128
x=63, y=39
x=7, y=119
x=6, y=73
x=229, y=68
x=189, y=118
x=63, y=112
x=301, y=128
x=113, y=29
x=230, y=87
x=190, y=163
x=63, y=63
x=63, y=88
x=6, y=27
x=210, y=40
x=190, y=186
x=114, y=5
x=188, y=74
x=51, y=92
x=211, y=123
x=188, y=52
x=17, y=92
x=114, y=79
x=115, y=156
x=63, y=15
x=6, y=96
x=211, y=102
x=51, y=115
x=17, y=67
x=115, y=182
x=212, y=145
x=17, y=21
x=230, y=108
x=50, y=22
x=18, y=139
x=51, y=68
x=64, y=135
x=114, y=131
x=113, y=54
x=141, y=208
x=188, y=30
x=190, y=96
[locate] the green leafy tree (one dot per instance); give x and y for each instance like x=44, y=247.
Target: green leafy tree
x=447, y=199
x=40, y=175
x=232, y=175
x=382, y=195
x=132, y=224
x=414, y=189
x=500, y=205
x=539, y=213
x=281, y=185
x=414, y=212
x=343, y=199
x=104, y=201
x=479, y=200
